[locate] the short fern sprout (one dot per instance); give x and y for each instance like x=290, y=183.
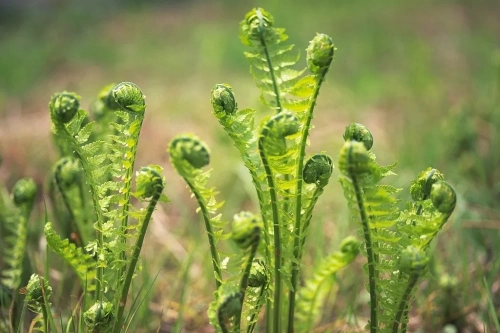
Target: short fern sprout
x=443, y=197
x=276, y=130
x=24, y=192
x=149, y=182
x=359, y=133
x=350, y=245
x=190, y=149
x=37, y=290
x=99, y=318
x=320, y=54
x=246, y=230
x=318, y=170
x=63, y=107
x=223, y=100
x=129, y=97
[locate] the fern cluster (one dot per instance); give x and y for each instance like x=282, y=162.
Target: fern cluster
x=99, y=227
x=395, y=241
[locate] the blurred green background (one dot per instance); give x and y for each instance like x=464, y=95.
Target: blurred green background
x=424, y=76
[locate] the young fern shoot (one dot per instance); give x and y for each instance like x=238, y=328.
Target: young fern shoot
x=188, y=155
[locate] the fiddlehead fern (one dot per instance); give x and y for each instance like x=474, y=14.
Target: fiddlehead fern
x=37, y=294
x=150, y=185
x=319, y=57
x=354, y=162
x=246, y=233
x=188, y=155
x=99, y=317
x=313, y=294
x=16, y=216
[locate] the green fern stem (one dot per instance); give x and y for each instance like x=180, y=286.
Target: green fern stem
x=369, y=245
x=135, y=258
x=403, y=305
x=277, y=239
x=244, y=281
x=297, y=247
x=210, y=233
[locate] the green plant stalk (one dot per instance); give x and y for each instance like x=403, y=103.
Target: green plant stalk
x=133, y=262
x=48, y=319
x=277, y=240
x=491, y=306
x=369, y=248
x=244, y=281
x=403, y=303
x=297, y=247
x=81, y=194
x=210, y=234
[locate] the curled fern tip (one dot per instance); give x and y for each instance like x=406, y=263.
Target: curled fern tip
x=360, y=133
x=318, y=170
x=191, y=149
x=246, y=229
x=24, y=191
x=443, y=197
x=63, y=107
x=129, y=97
x=320, y=54
x=223, y=100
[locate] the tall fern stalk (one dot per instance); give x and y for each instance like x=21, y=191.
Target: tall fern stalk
x=150, y=184
x=277, y=240
x=319, y=55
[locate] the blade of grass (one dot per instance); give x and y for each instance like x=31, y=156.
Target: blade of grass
x=491, y=307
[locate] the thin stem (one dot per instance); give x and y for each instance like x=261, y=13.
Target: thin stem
x=244, y=281
x=297, y=248
x=403, y=303
x=268, y=60
x=210, y=234
x=134, y=260
x=277, y=240
x=369, y=248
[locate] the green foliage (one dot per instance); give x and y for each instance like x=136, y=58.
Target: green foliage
x=317, y=287
x=82, y=263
